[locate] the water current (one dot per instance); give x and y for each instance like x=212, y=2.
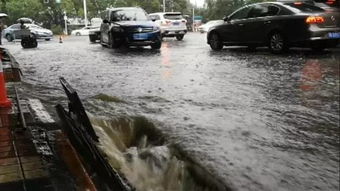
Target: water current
x=250, y=121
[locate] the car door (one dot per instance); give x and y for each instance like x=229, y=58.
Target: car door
x=86, y=31
x=105, y=27
x=231, y=29
x=260, y=19
x=12, y=29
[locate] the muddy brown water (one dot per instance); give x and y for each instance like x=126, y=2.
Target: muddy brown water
x=253, y=120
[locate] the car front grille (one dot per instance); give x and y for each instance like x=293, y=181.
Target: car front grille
x=139, y=29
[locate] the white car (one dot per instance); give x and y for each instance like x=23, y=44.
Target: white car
x=205, y=27
x=82, y=31
x=12, y=32
x=172, y=24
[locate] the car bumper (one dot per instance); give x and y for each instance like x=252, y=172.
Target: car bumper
x=43, y=36
x=143, y=39
x=326, y=37
x=173, y=32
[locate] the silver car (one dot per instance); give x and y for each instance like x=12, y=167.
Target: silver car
x=11, y=32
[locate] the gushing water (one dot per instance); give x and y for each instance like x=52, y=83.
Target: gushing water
x=136, y=149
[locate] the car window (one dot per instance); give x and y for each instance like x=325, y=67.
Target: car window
x=263, y=10
x=272, y=10
x=257, y=11
x=240, y=14
x=34, y=26
x=303, y=7
x=15, y=26
x=173, y=16
x=129, y=15
x=155, y=17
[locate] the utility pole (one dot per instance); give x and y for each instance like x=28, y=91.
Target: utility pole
x=85, y=12
x=193, y=19
x=65, y=19
x=163, y=6
x=193, y=16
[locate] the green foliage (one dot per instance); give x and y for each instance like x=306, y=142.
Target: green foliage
x=51, y=13
x=57, y=30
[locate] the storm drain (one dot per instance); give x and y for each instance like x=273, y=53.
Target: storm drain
x=138, y=150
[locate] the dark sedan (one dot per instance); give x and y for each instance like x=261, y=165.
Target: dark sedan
x=129, y=26
x=279, y=26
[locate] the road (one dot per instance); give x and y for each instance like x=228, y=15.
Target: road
x=257, y=121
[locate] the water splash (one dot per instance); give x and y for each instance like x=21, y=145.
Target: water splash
x=137, y=149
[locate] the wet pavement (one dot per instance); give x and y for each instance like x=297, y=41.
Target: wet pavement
x=255, y=120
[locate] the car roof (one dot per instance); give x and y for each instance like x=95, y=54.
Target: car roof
x=284, y=4
x=269, y=2
x=167, y=13
x=123, y=8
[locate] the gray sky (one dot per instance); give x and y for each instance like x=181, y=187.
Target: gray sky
x=198, y=2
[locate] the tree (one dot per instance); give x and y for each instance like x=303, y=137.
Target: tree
x=51, y=13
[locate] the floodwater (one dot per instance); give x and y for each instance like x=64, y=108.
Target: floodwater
x=252, y=120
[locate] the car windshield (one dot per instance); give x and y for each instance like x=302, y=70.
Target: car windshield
x=129, y=15
x=173, y=16
x=34, y=26
x=303, y=7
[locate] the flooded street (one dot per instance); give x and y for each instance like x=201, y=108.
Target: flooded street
x=253, y=120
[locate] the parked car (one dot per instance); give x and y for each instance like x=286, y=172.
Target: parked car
x=205, y=27
x=328, y=5
x=94, y=33
x=279, y=26
x=36, y=31
x=130, y=26
x=172, y=24
x=82, y=31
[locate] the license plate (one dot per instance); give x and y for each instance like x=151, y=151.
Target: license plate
x=140, y=36
x=176, y=23
x=334, y=35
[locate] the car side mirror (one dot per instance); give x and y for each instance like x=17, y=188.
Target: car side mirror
x=225, y=18
x=106, y=21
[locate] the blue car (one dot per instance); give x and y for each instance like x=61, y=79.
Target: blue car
x=130, y=26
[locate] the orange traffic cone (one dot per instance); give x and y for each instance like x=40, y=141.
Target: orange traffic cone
x=60, y=39
x=4, y=101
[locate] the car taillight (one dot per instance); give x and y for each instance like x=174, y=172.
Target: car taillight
x=184, y=21
x=315, y=20
x=330, y=2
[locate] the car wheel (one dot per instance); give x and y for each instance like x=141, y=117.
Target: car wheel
x=180, y=37
x=78, y=34
x=215, y=42
x=9, y=38
x=101, y=40
x=33, y=36
x=113, y=43
x=157, y=44
x=34, y=43
x=277, y=43
x=92, y=38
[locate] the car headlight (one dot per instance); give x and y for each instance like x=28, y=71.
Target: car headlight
x=156, y=28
